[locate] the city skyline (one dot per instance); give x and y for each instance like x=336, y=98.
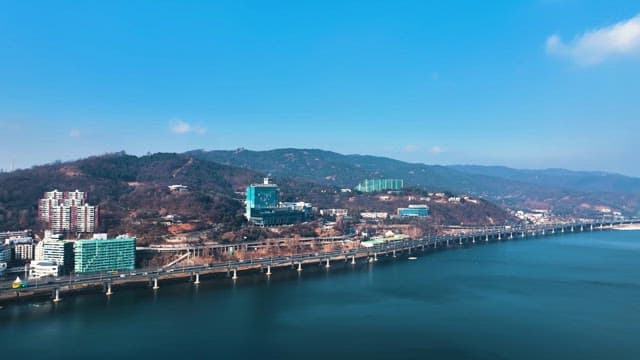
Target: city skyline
x=531, y=84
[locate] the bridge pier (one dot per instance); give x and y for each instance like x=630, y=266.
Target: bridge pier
x=299, y=266
x=155, y=284
x=375, y=256
x=197, y=279
x=109, y=292
x=394, y=252
x=56, y=297
x=353, y=259
x=486, y=238
x=522, y=234
x=235, y=274
x=328, y=264
x=268, y=270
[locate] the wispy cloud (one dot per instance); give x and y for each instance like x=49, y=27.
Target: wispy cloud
x=597, y=45
x=410, y=148
x=179, y=126
x=74, y=133
x=436, y=150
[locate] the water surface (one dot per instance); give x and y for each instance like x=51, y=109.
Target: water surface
x=574, y=296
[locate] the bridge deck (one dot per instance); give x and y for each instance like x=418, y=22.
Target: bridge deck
x=92, y=282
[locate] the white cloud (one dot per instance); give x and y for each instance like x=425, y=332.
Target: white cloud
x=409, y=148
x=74, y=133
x=179, y=126
x=436, y=150
x=595, y=46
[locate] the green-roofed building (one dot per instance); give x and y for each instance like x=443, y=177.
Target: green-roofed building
x=375, y=185
x=98, y=255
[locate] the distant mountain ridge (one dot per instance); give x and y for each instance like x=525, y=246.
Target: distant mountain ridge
x=567, y=192
x=587, y=181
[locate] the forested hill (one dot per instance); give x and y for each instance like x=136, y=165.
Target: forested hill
x=564, y=192
x=130, y=190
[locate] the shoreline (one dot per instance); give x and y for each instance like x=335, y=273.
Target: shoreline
x=213, y=272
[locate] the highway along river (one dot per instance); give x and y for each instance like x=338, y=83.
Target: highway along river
x=573, y=296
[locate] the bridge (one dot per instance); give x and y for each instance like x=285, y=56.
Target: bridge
x=152, y=277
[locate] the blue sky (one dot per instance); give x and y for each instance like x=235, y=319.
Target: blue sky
x=528, y=84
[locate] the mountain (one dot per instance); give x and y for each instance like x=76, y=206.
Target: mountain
x=585, y=181
x=564, y=192
x=131, y=191
x=134, y=197
x=328, y=167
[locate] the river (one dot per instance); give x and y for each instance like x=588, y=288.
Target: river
x=573, y=296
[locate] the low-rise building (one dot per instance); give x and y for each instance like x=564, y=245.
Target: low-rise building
x=374, y=215
x=178, y=188
x=417, y=210
x=334, y=212
x=277, y=216
x=15, y=234
x=40, y=269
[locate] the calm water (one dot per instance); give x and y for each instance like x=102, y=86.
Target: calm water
x=564, y=297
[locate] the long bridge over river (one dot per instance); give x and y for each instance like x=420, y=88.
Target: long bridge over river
x=152, y=277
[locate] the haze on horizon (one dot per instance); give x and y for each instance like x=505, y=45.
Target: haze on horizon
x=527, y=84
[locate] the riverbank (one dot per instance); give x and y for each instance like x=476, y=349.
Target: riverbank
x=627, y=227
x=153, y=278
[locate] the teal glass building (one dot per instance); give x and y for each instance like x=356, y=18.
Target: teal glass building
x=262, y=196
x=414, y=211
x=374, y=185
x=98, y=255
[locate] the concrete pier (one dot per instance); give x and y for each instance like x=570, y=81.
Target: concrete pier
x=56, y=297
